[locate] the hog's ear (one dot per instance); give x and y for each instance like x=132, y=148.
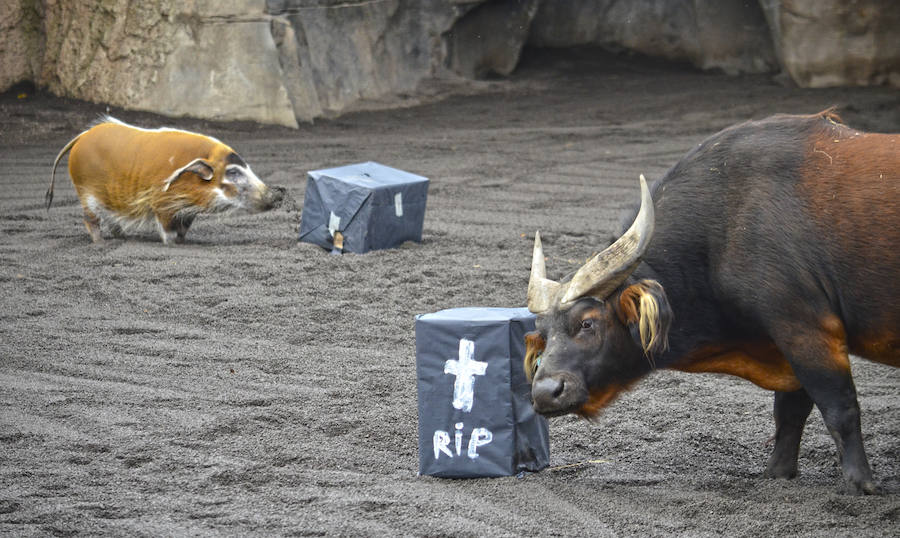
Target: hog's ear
x=644, y=309
x=201, y=168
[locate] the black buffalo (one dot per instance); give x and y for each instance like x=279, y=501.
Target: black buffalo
x=770, y=252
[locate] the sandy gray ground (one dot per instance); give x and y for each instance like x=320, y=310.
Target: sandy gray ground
x=243, y=384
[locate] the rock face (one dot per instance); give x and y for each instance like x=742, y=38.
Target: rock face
x=728, y=35
x=20, y=42
x=284, y=61
x=489, y=38
x=837, y=42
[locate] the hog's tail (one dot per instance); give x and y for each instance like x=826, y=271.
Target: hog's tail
x=48, y=197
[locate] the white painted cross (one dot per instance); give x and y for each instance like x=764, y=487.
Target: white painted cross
x=465, y=369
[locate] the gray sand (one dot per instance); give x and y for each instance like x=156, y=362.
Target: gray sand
x=242, y=384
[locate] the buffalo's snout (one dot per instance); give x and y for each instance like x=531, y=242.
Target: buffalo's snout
x=547, y=391
x=557, y=394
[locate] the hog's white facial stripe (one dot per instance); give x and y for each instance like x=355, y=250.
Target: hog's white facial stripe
x=242, y=176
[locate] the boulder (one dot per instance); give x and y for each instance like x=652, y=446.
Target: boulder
x=203, y=58
x=337, y=54
x=835, y=42
x=489, y=38
x=223, y=64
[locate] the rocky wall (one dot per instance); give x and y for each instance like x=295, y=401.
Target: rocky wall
x=21, y=39
x=729, y=35
x=289, y=61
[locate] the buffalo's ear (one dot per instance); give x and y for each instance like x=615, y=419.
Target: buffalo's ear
x=534, y=345
x=644, y=309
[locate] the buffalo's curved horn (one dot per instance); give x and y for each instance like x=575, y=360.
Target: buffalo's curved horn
x=542, y=292
x=603, y=273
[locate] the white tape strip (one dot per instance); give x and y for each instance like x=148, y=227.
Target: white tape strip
x=398, y=204
x=334, y=223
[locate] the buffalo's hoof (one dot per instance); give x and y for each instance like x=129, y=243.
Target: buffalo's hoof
x=786, y=470
x=866, y=487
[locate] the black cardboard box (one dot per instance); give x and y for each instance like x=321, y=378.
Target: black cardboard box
x=475, y=414
x=363, y=207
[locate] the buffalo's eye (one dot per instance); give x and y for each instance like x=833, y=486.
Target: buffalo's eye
x=587, y=323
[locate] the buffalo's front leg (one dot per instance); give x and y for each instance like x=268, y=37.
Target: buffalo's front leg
x=791, y=411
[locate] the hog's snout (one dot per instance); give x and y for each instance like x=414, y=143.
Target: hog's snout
x=272, y=197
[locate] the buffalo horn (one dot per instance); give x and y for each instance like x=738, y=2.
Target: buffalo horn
x=542, y=292
x=603, y=273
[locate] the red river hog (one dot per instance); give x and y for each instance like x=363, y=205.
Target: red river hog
x=130, y=177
